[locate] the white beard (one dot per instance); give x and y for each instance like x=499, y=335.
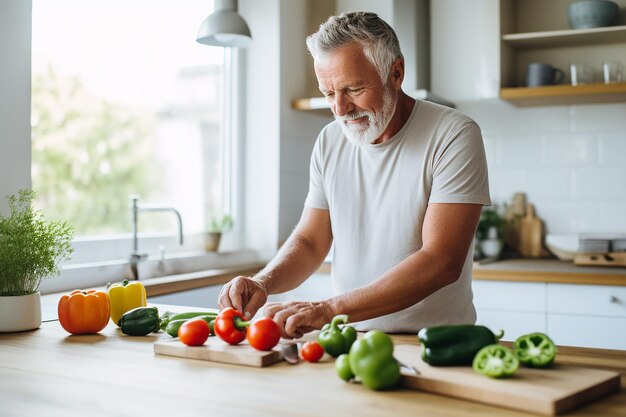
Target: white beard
x=365, y=133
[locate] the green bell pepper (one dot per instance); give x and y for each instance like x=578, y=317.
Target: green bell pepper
x=453, y=345
x=140, y=321
x=334, y=340
x=371, y=360
x=495, y=361
x=535, y=350
x=342, y=366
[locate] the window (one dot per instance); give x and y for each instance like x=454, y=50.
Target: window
x=124, y=101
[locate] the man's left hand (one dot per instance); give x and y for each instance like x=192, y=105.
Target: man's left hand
x=296, y=318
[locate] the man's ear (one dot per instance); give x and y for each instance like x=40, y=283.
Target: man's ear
x=396, y=74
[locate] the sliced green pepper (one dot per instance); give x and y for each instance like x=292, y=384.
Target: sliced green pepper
x=371, y=360
x=496, y=361
x=453, y=345
x=140, y=321
x=535, y=350
x=334, y=340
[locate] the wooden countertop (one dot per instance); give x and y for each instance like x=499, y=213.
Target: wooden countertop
x=549, y=270
x=49, y=373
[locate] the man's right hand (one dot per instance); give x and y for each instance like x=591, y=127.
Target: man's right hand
x=244, y=294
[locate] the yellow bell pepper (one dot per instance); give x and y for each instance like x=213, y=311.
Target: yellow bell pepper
x=124, y=297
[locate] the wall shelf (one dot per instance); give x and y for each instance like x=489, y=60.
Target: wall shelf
x=563, y=38
x=535, y=31
x=565, y=94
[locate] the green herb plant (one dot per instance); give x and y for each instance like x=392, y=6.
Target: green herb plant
x=31, y=248
x=220, y=224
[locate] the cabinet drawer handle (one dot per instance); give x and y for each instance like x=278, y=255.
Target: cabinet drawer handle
x=613, y=299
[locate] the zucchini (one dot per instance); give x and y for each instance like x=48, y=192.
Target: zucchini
x=173, y=326
x=171, y=316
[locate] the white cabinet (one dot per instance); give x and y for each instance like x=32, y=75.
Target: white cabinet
x=515, y=307
x=572, y=314
x=587, y=315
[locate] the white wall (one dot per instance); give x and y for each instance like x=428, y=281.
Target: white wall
x=465, y=56
x=15, y=35
x=278, y=140
x=261, y=125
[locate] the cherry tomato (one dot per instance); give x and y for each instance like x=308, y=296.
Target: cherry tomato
x=312, y=351
x=263, y=334
x=194, y=332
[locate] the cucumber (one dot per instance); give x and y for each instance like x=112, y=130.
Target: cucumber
x=170, y=316
x=173, y=326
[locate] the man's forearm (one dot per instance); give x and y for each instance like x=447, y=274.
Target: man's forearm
x=296, y=260
x=409, y=282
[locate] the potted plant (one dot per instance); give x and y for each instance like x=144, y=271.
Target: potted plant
x=489, y=233
x=31, y=249
x=218, y=224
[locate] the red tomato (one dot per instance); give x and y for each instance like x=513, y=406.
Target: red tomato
x=194, y=332
x=230, y=326
x=312, y=351
x=263, y=334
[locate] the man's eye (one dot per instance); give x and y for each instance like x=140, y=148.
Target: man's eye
x=355, y=91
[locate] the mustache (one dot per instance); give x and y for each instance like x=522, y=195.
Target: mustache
x=353, y=116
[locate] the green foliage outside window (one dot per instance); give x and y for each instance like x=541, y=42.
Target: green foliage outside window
x=89, y=155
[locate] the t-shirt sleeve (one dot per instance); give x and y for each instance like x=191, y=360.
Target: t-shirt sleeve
x=316, y=198
x=460, y=169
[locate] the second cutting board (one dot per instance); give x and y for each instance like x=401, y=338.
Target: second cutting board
x=551, y=391
x=216, y=350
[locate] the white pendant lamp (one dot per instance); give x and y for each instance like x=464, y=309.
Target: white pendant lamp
x=224, y=27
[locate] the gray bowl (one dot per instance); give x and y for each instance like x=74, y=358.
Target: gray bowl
x=592, y=14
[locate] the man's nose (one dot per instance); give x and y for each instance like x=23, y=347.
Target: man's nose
x=343, y=105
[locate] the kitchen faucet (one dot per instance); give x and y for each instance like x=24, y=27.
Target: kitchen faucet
x=135, y=256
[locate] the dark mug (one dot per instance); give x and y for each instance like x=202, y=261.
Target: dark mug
x=543, y=74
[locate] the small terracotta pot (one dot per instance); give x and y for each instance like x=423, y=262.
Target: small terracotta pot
x=212, y=241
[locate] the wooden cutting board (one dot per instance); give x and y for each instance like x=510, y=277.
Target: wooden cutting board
x=216, y=350
x=531, y=234
x=551, y=391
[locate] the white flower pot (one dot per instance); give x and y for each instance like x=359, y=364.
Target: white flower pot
x=20, y=313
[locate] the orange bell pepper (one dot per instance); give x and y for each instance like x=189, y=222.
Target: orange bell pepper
x=84, y=312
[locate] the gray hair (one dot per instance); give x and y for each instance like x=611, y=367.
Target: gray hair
x=378, y=40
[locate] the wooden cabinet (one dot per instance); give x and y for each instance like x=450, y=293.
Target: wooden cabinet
x=538, y=31
x=572, y=314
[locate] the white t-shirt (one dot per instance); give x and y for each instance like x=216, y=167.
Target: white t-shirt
x=377, y=196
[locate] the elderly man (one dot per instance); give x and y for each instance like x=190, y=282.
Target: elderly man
x=396, y=184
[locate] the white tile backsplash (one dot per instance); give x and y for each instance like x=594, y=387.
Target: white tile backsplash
x=599, y=183
x=520, y=150
x=570, y=161
x=548, y=184
x=571, y=149
x=543, y=119
x=612, y=148
x=598, y=117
